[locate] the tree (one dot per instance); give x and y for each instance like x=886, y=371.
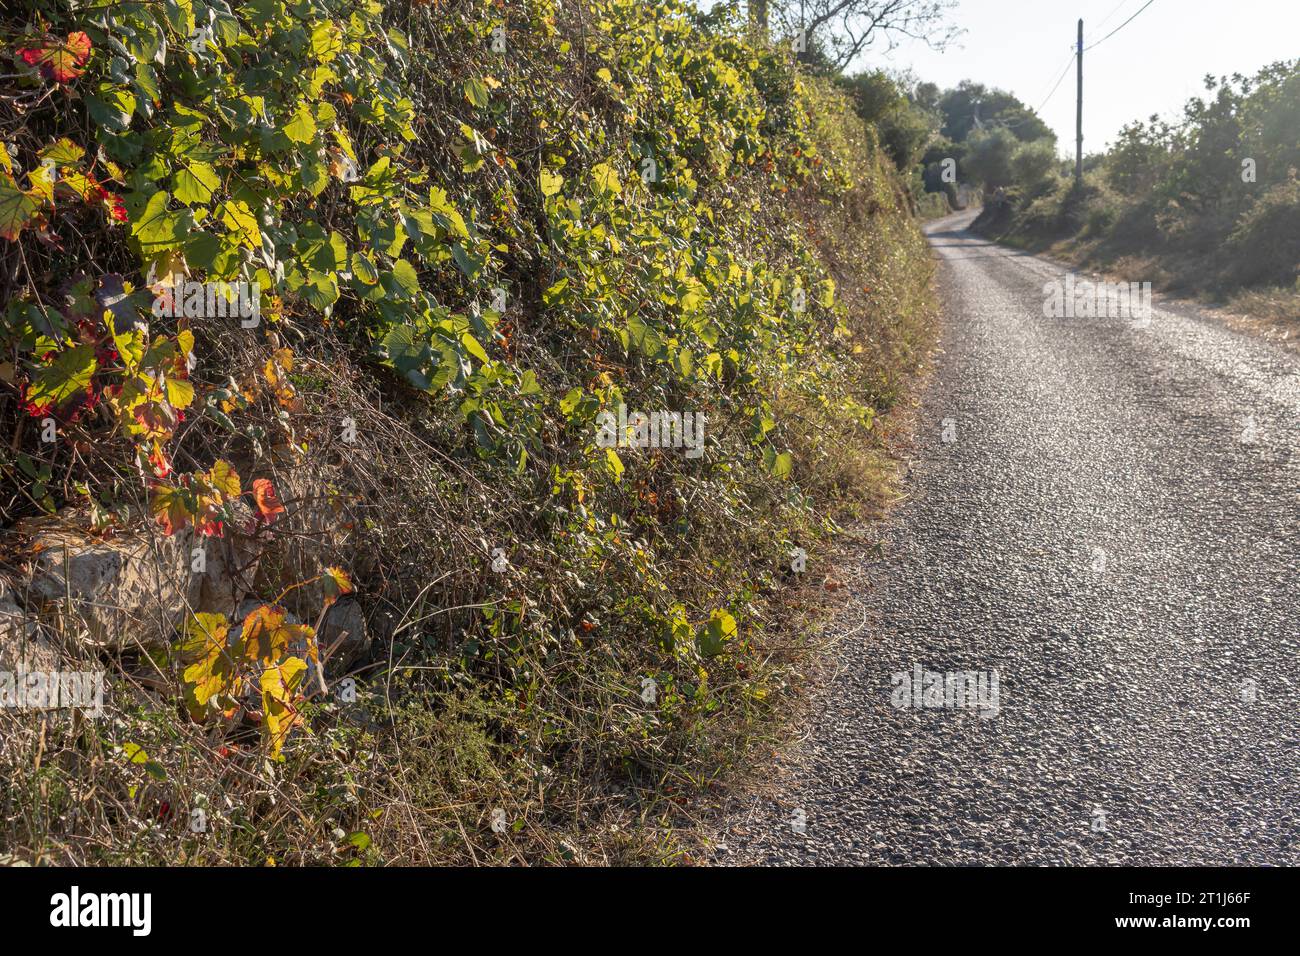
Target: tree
x=926, y=95
x=989, y=159
x=973, y=105
x=905, y=128
x=838, y=30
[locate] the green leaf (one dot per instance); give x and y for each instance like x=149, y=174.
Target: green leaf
x=405, y=278
x=202, y=250
x=226, y=29
x=158, y=228
x=241, y=222
x=712, y=638
x=327, y=256
x=146, y=82
x=380, y=175
x=314, y=175
x=69, y=373
x=180, y=393
x=826, y=293
x=570, y=401
x=325, y=41
x=321, y=290
x=614, y=464
x=556, y=293
x=644, y=337
x=111, y=107
x=387, y=236
x=302, y=127
x=64, y=152
x=476, y=92
x=446, y=214
x=402, y=349
x=473, y=347
x=469, y=264
x=130, y=344
x=778, y=466
x=363, y=267
x=137, y=755
x=195, y=182
x=16, y=208
x=180, y=14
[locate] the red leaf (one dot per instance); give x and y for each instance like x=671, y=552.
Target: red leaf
x=158, y=461
x=59, y=60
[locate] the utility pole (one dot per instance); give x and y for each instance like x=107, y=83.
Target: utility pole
x=1078, y=116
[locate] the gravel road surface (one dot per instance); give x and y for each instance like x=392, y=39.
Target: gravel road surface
x=1105, y=513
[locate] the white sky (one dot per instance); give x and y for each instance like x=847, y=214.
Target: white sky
x=1152, y=65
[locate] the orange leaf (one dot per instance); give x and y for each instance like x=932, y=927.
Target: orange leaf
x=171, y=508
x=268, y=502
x=335, y=583
x=276, y=372
x=264, y=634
x=268, y=638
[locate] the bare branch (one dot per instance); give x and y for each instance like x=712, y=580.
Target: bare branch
x=837, y=31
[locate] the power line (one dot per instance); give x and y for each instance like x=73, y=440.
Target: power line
x=1120, y=27
x=1106, y=19
x=1022, y=122
x=1057, y=86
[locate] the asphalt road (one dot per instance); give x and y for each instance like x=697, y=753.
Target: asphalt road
x=1113, y=527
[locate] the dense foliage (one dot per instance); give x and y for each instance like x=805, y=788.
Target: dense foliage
x=472, y=228
x=969, y=135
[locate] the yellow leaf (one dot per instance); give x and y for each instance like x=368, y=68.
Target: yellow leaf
x=212, y=670
x=279, y=690
x=180, y=393
x=604, y=179
x=224, y=479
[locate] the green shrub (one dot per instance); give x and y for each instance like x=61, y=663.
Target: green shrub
x=1266, y=239
x=1034, y=166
